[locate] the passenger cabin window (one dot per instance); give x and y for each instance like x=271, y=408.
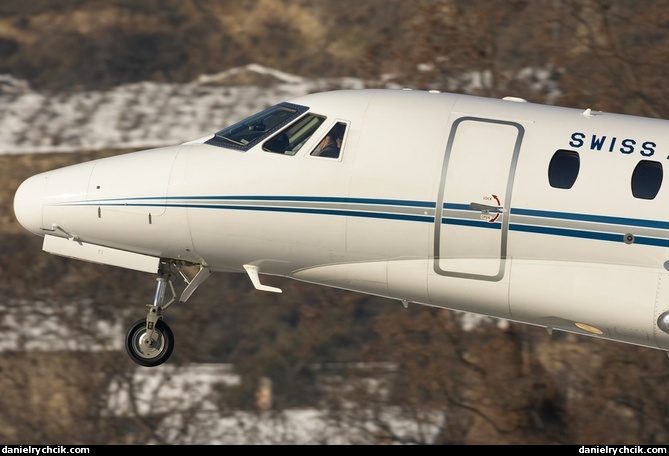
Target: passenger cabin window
x=330, y=145
x=563, y=168
x=289, y=140
x=247, y=133
x=647, y=179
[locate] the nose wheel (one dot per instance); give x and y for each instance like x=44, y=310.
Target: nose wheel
x=149, y=347
x=149, y=342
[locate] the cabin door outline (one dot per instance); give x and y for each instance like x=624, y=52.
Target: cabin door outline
x=473, y=202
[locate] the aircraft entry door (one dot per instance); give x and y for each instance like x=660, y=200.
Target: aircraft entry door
x=471, y=219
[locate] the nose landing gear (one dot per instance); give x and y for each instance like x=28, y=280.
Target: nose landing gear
x=150, y=341
x=149, y=347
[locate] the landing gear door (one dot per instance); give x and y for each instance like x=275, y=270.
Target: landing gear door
x=472, y=219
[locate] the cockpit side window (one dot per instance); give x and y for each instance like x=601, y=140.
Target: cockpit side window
x=330, y=146
x=250, y=131
x=289, y=140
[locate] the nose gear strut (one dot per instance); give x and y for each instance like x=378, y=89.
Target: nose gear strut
x=150, y=341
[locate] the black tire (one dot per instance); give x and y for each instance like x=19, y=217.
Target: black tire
x=153, y=356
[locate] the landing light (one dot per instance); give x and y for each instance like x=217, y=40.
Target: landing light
x=589, y=328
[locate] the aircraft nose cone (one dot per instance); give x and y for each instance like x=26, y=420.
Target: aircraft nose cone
x=28, y=203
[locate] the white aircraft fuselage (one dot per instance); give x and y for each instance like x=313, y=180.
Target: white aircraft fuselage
x=544, y=215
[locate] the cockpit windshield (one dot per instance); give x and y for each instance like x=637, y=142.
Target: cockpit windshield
x=247, y=133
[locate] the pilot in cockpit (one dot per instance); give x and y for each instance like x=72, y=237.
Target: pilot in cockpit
x=330, y=146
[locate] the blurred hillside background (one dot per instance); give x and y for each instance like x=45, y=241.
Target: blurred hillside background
x=363, y=369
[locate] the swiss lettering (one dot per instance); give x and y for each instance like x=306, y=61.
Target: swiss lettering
x=612, y=144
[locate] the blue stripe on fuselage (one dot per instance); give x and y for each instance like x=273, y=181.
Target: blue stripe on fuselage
x=553, y=223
